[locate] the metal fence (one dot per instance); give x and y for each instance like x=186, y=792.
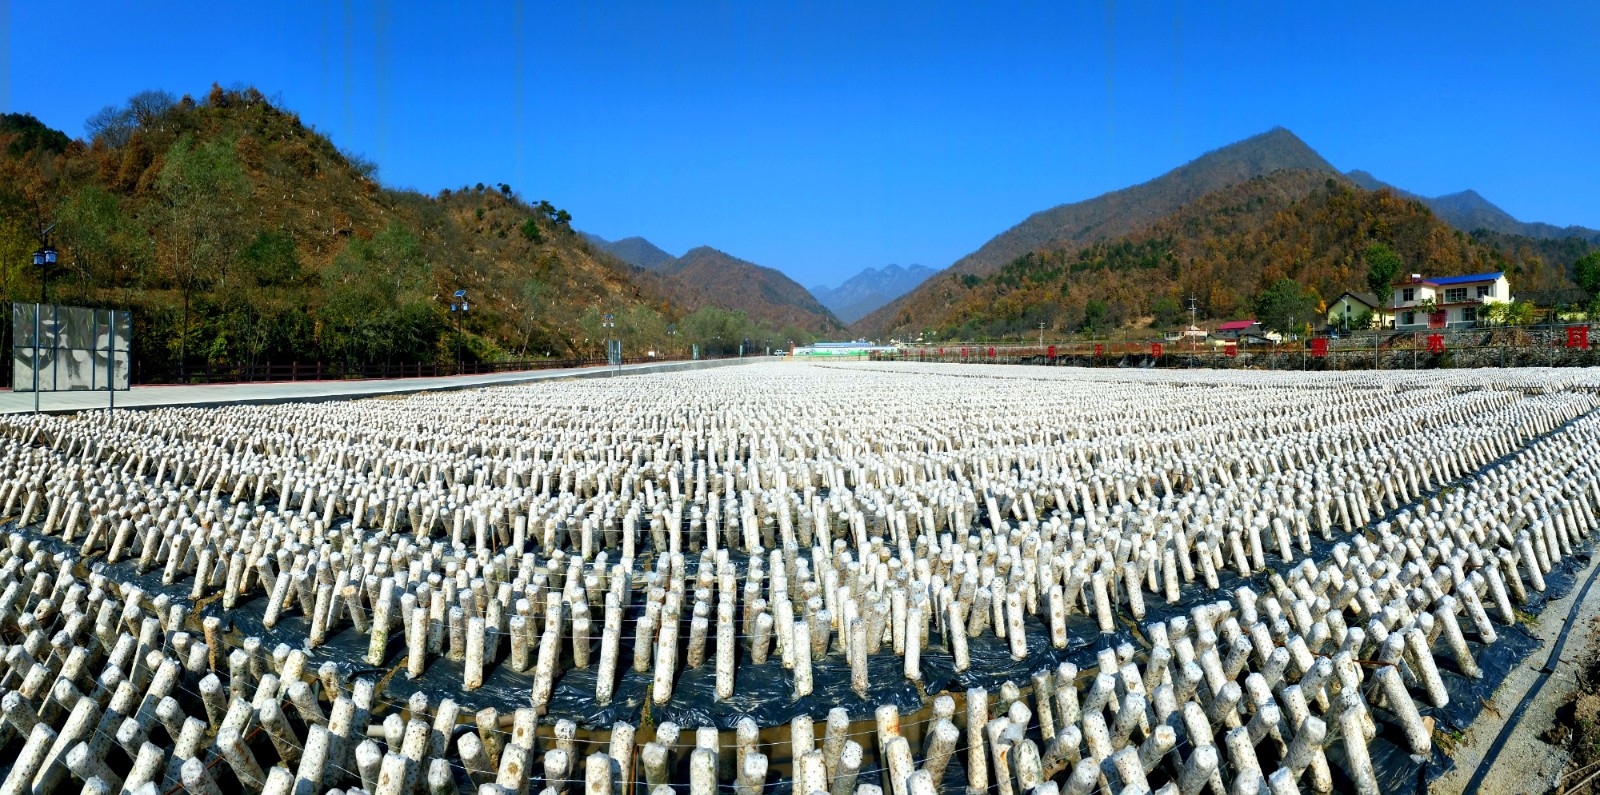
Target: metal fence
x=332, y=371
x=1547, y=345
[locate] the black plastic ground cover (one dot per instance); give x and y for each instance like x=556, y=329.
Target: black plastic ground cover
x=1400, y=771
x=765, y=692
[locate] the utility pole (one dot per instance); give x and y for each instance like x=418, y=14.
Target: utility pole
x=458, y=307
x=1189, y=332
x=1041, y=338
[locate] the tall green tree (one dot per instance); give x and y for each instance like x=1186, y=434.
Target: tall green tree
x=376, y=305
x=266, y=311
x=715, y=330
x=531, y=312
x=1586, y=272
x=1167, y=311
x=1285, y=306
x=108, y=248
x=1094, y=316
x=203, y=191
x=1383, y=265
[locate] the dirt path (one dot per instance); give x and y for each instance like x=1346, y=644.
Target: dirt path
x=1528, y=763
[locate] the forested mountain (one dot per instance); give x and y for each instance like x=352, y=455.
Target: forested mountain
x=862, y=293
x=239, y=235
x=1469, y=211
x=1123, y=211
x=1129, y=209
x=1223, y=229
x=1227, y=250
x=635, y=251
x=705, y=277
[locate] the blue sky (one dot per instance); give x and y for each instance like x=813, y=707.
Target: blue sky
x=824, y=138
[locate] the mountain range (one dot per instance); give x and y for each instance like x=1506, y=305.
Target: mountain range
x=1468, y=211
x=1217, y=229
x=775, y=294
x=706, y=277
x=1128, y=209
x=635, y=251
x=239, y=236
x=864, y=292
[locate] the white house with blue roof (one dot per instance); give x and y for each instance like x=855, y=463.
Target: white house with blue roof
x=1455, y=301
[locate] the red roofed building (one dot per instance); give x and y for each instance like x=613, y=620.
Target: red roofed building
x=1234, y=329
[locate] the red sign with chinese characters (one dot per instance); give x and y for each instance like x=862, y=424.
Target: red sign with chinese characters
x=1578, y=337
x=1230, y=349
x=1099, y=350
x=1155, y=349
x=991, y=351
x=1435, y=343
x=1051, y=352
x=1319, y=346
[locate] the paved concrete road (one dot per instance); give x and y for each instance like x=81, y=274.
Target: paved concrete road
x=278, y=391
x=1528, y=764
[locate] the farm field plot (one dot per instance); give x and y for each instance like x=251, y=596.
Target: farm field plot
x=855, y=579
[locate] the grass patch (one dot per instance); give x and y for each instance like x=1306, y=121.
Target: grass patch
x=1447, y=740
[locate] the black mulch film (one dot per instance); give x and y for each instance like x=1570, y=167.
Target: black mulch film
x=765, y=692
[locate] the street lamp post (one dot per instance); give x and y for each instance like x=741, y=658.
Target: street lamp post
x=614, y=356
x=44, y=259
x=459, y=307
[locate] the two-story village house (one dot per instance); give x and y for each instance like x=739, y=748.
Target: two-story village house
x=1446, y=302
